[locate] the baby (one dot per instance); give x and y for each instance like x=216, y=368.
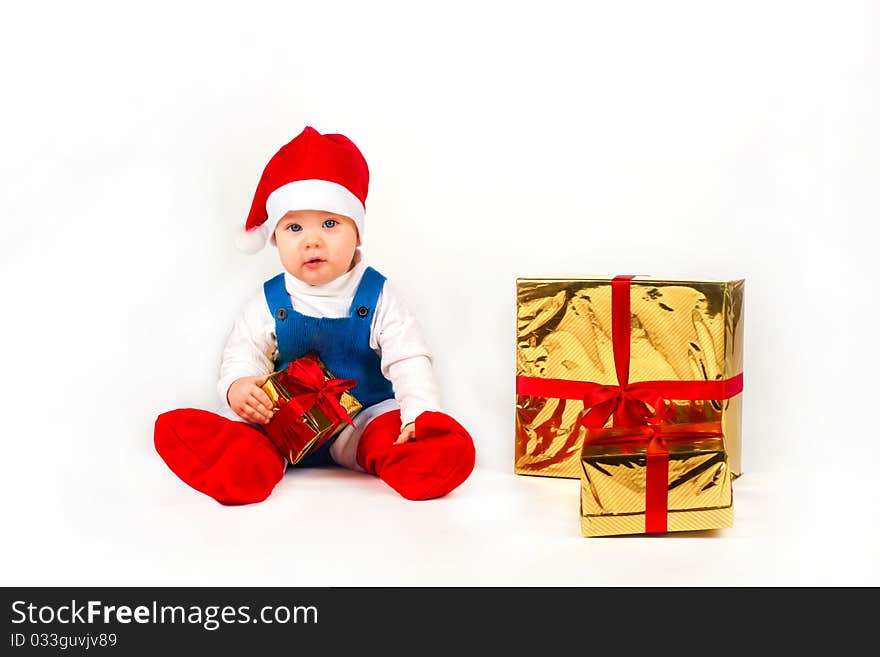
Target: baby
x=310, y=203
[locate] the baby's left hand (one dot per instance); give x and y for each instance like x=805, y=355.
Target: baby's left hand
x=406, y=434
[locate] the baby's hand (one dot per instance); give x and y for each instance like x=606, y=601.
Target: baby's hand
x=249, y=401
x=406, y=434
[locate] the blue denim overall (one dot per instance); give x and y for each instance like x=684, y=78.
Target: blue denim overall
x=342, y=343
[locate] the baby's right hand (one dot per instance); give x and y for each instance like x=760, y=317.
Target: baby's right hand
x=249, y=401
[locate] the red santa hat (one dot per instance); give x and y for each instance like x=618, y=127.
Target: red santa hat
x=311, y=172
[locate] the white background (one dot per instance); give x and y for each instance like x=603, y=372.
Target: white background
x=688, y=139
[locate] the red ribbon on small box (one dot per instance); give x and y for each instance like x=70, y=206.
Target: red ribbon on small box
x=657, y=459
x=305, y=382
x=626, y=404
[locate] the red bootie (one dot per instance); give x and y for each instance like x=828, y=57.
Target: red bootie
x=230, y=461
x=437, y=461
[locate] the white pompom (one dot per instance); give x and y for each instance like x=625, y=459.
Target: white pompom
x=251, y=241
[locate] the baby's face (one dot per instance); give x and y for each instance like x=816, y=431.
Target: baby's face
x=316, y=247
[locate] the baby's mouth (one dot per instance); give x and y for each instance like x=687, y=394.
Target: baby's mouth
x=313, y=262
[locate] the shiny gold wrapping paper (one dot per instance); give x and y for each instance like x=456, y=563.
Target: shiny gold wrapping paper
x=613, y=482
x=681, y=331
x=315, y=420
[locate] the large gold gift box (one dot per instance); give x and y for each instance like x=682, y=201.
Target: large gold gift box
x=694, y=482
x=679, y=332
x=298, y=434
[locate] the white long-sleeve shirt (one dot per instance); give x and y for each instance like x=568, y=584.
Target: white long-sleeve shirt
x=394, y=335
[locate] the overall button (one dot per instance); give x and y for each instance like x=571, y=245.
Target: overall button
x=362, y=311
x=281, y=314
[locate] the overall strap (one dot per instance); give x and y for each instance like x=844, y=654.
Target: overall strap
x=277, y=299
x=364, y=303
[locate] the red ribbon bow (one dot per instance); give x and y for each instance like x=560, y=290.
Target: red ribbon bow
x=629, y=405
x=305, y=381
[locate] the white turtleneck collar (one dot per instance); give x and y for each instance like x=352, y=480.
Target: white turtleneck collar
x=343, y=286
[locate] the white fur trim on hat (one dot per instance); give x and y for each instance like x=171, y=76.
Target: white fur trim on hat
x=313, y=194
x=251, y=241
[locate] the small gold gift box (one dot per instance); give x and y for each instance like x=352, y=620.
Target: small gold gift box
x=633, y=482
x=296, y=431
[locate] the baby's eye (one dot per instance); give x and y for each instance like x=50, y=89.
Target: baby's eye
x=329, y=223
x=294, y=228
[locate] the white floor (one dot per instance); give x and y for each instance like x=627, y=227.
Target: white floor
x=139, y=525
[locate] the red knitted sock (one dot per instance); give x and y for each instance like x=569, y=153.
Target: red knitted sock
x=440, y=459
x=230, y=461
